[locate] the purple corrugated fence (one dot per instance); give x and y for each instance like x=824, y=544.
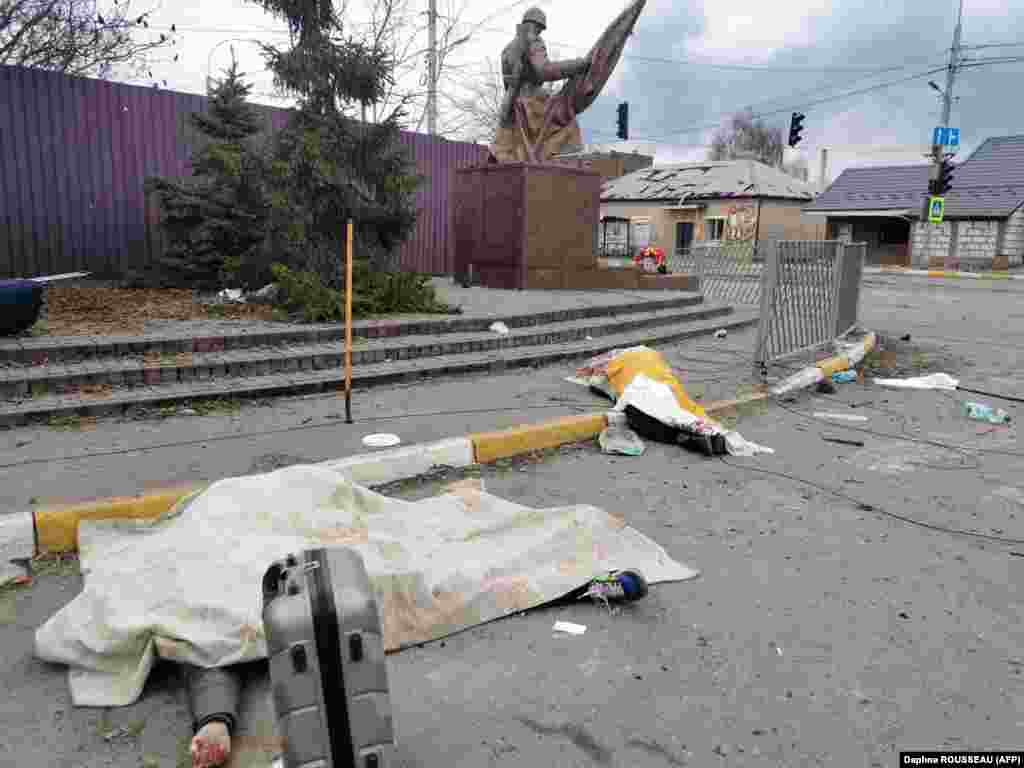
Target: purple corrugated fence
x=75, y=152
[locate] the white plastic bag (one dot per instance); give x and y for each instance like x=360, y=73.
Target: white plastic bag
x=620, y=440
x=934, y=381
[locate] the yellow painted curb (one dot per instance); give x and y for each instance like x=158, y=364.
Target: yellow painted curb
x=725, y=405
x=56, y=528
x=833, y=365
x=505, y=443
x=842, y=362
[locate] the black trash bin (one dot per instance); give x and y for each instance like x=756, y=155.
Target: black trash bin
x=20, y=302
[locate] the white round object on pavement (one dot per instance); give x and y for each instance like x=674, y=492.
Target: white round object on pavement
x=381, y=440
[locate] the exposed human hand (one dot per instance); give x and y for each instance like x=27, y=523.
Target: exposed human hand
x=211, y=746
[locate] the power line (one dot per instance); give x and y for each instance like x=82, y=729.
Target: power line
x=803, y=105
x=711, y=64
x=992, y=45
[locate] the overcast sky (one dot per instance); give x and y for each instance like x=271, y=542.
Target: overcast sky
x=710, y=59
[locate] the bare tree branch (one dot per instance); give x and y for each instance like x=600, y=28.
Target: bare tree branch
x=745, y=134
x=75, y=37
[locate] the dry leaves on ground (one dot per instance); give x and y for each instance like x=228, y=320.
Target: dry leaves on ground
x=115, y=311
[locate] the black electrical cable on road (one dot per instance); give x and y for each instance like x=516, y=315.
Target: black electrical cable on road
x=991, y=394
x=283, y=430
x=872, y=508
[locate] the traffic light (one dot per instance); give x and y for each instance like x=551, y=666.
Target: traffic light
x=623, y=131
x=945, y=180
x=796, y=127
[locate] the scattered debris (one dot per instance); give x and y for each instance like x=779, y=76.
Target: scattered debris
x=569, y=628
x=844, y=377
x=934, y=381
x=625, y=586
x=231, y=294
x=621, y=440
x=500, y=328
x=840, y=416
x=843, y=441
x=721, y=333
x=266, y=295
x=982, y=412
x=383, y=440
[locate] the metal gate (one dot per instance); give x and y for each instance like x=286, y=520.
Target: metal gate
x=728, y=272
x=809, y=296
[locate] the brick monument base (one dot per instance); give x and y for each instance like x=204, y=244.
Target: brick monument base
x=534, y=226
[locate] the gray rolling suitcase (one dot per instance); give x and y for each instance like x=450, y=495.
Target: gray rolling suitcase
x=327, y=666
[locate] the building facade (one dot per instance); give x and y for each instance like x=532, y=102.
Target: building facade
x=674, y=207
x=983, y=225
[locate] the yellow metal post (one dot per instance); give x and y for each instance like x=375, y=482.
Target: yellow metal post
x=348, y=326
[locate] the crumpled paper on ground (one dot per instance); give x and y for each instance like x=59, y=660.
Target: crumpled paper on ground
x=932, y=381
x=186, y=587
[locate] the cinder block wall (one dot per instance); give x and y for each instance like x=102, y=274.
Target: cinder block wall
x=977, y=240
x=929, y=241
x=1013, y=240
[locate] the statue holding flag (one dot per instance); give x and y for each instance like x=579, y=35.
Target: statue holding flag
x=534, y=125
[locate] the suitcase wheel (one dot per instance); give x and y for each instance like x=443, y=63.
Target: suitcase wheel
x=355, y=646
x=299, y=661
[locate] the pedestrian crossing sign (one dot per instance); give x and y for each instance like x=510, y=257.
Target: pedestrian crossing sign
x=936, y=207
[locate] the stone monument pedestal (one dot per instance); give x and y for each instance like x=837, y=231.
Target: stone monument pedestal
x=534, y=226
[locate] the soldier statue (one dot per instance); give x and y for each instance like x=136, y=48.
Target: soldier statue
x=535, y=125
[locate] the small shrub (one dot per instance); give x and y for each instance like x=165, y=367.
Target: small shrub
x=304, y=296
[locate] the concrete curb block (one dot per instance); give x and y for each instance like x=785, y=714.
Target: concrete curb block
x=506, y=443
x=55, y=529
x=938, y=273
x=811, y=375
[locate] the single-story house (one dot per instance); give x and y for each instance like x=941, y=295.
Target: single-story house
x=983, y=221
x=611, y=165
x=675, y=206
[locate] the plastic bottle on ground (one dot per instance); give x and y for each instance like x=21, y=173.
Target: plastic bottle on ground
x=982, y=412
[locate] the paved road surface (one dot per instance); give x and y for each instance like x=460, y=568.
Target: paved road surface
x=824, y=630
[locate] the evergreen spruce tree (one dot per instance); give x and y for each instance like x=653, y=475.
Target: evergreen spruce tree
x=326, y=166
x=215, y=220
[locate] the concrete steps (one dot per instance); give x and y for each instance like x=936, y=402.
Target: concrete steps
x=149, y=369
x=111, y=386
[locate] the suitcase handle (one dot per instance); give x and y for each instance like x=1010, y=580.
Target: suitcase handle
x=272, y=580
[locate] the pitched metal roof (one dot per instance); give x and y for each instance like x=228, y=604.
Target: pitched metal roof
x=697, y=181
x=988, y=184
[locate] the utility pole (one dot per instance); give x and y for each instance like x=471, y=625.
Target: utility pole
x=947, y=105
x=432, y=68
x=823, y=170
x=954, y=61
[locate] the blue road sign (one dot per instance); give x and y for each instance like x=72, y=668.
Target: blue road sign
x=953, y=137
x=940, y=135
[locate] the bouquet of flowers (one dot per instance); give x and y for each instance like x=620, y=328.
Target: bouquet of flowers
x=651, y=259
